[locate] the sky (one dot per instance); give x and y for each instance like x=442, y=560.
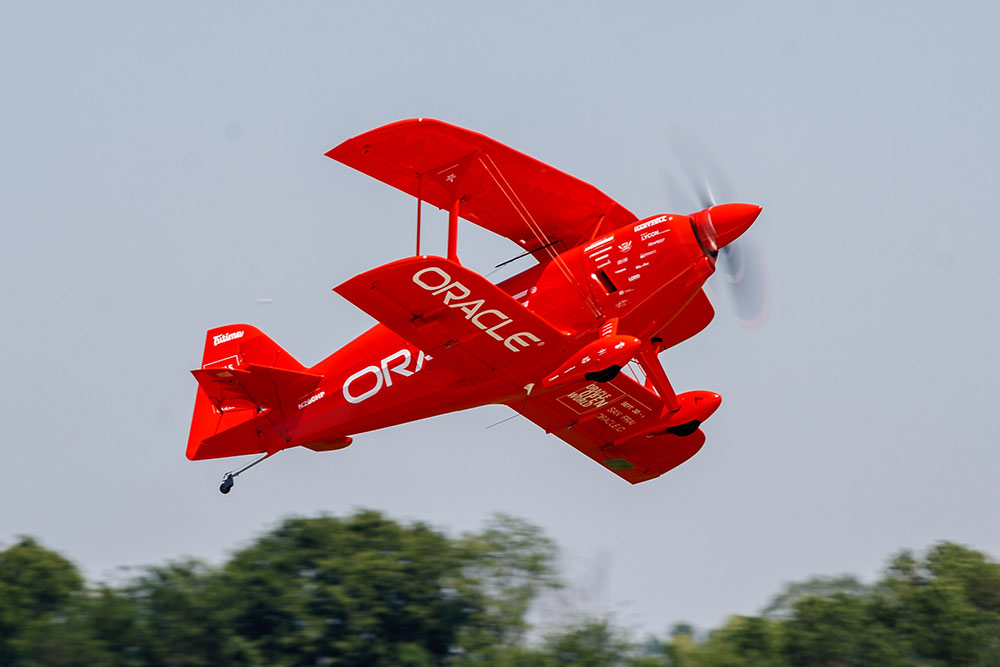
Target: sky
x=163, y=170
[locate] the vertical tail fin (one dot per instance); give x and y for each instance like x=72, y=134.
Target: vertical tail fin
x=239, y=345
x=249, y=390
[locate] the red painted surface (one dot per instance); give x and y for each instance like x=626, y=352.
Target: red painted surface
x=610, y=286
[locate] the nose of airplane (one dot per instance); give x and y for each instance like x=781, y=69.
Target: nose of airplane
x=727, y=221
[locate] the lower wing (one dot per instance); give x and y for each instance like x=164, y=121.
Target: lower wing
x=615, y=423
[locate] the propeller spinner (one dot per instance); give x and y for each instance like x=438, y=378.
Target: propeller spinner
x=741, y=263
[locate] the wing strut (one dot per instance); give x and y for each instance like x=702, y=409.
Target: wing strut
x=658, y=377
x=420, y=205
x=453, y=232
x=522, y=211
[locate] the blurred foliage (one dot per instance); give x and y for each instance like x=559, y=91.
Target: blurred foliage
x=367, y=590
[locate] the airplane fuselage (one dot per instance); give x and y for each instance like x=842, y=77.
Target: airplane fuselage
x=644, y=274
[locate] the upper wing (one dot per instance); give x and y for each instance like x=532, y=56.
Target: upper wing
x=605, y=421
x=447, y=310
x=499, y=188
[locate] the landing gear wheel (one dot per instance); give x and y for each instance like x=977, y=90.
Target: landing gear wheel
x=606, y=375
x=686, y=429
x=230, y=477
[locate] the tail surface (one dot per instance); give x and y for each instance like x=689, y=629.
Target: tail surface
x=250, y=392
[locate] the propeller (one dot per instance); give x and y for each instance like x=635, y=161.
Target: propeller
x=741, y=263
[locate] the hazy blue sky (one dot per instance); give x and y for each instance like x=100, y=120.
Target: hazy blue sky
x=162, y=168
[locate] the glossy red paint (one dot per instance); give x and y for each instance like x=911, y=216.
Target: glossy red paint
x=609, y=290
x=726, y=222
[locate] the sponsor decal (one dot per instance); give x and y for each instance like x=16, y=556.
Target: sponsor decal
x=454, y=294
x=641, y=266
x=597, y=244
x=230, y=362
x=644, y=255
x=356, y=387
x=226, y=337
x=656, y=242
x=610, y=423
x=312, y=399
x=649, y=223
x=625, y=247
x=634, y=277
x=591, y=397
x=622, y=261
x=649, y=235
x=600, y=258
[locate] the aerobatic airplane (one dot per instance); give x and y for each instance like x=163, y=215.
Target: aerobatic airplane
x=571, y=343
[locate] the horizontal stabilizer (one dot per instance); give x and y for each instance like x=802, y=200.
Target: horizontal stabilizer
x=250, y=395
x=257, y=387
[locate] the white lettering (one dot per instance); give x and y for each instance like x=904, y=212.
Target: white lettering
x=477, y=320
x=403, y=354
x=451, y=296
x=519, y=339
x=598, y=243
x=312, y=399
x=455, y=291
x=398, y=362
x=351, y=398
x=469, y=307
x=226, y=337
x=418, y=278
x=649, y=223
x=491, y=332
x=590, y=396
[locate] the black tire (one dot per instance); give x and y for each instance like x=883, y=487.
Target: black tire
x=606, y=375
x=685, y=430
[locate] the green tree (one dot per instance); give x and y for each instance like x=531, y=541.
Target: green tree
x=169, y=615
x=742, y=640
x=362, y=590
x=782, y=604
x=837, y=630
x=43, y=610
x=945, y=608
x=592, y=643
x=505, y=567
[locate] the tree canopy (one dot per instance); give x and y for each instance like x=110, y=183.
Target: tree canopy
x=368, y=590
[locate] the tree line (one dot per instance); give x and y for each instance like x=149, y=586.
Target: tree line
x=368, y=590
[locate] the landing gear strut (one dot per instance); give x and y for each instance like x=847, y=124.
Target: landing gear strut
x=230, y=477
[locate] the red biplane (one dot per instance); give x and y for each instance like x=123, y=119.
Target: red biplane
x=609, y=292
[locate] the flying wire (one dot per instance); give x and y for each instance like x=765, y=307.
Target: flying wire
x=536, y=230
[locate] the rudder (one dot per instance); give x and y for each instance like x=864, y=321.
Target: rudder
x=247, y=390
